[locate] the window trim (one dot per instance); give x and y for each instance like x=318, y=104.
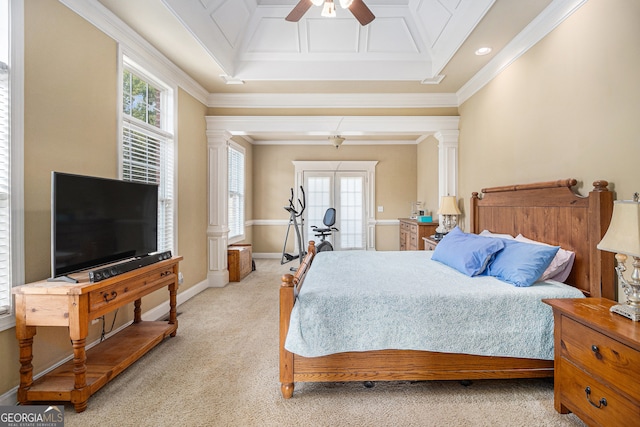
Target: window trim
x=237, y=147
x=16, y=82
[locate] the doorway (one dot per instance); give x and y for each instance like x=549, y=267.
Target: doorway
x=344, y=191
x=347, y=186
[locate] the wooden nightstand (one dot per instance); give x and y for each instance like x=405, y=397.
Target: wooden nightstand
x=597, y=362
x=430, y=243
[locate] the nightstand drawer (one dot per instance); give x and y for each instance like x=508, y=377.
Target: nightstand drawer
x=609, y=359
x=573, y=383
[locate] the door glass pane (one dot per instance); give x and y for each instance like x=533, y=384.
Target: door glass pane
x=318, y=191
x=351, y=212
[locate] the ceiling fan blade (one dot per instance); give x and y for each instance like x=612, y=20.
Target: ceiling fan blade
x=362, y=13
x=301, y=8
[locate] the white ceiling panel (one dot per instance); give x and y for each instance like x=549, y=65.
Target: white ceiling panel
x=273, y=35
x=391, y=36
x=338, y=36
x=231, y=17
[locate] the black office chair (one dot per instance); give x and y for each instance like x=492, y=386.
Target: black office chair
x=329, y=220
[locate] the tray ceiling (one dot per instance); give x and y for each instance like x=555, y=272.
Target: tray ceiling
x=408, y=40
x=413, y=46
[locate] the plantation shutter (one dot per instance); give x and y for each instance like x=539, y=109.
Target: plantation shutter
x=236, y=192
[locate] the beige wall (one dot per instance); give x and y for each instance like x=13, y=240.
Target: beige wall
x=71, y=82
x=427, y=175
x=273, y=176
x=567, y=109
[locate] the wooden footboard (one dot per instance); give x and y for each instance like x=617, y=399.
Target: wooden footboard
x=549, y=212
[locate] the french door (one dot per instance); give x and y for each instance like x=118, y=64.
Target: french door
x=345, y=192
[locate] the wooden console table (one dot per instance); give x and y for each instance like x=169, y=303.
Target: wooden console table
x=75, y=305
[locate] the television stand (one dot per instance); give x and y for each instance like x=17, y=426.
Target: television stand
x=75, y=305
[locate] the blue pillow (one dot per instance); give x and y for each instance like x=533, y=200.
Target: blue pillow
x=521, y=264
x=467, y=253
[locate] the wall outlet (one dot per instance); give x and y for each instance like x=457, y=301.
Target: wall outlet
x=380, y=208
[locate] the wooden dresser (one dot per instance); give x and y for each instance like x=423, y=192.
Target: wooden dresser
x=412, y=232
x=597, y=362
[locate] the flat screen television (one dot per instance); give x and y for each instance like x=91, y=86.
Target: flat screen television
x=96, y=221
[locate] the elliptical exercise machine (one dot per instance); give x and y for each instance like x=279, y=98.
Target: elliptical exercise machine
x=294, y=214
x=329, y=220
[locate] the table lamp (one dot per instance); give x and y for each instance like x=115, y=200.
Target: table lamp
x=623, y=238
x=449, y=211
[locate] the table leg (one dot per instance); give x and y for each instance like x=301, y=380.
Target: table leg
x=25, y=341
x=173, y=314
x=137, y=311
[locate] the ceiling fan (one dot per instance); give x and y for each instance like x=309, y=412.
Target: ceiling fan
x=357, y=7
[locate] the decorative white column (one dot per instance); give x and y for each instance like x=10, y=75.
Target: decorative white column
x=218, y=227
x=447, y=162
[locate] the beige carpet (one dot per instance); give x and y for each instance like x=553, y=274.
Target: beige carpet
x=222, y=370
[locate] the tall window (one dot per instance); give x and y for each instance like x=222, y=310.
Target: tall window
x=148, y=142
x=11, y=154
x=5, y=164
x=236, y=192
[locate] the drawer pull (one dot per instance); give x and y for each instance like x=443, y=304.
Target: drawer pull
x=596, y=351
x=601, y=403
x=110, y=297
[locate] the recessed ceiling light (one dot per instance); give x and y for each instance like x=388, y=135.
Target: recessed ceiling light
x=483, y=51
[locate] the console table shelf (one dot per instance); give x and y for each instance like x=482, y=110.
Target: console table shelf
x=75, y=305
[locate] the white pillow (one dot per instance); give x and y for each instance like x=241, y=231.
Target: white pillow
x=487, y=233
x=560, y=266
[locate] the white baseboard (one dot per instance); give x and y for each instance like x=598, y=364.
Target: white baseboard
x=10, y=398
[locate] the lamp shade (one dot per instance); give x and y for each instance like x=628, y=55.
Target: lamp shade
x=448, y=206
x=623, y=235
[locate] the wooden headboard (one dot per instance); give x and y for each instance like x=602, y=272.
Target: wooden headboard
x=552, y=212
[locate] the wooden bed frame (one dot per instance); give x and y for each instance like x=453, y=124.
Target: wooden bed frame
x=550, y=212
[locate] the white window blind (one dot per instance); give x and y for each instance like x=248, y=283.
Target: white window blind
x=148, y=147
x=5, y=166
x=5, y=197
x=236, y=192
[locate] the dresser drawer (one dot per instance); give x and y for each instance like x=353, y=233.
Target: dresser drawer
x=124, y=292
x=607, y=358
x=573, y=382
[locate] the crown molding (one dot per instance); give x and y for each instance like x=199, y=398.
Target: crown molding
x=329, y=125
x=332, y=100
x=135, y=46
x=543, y=24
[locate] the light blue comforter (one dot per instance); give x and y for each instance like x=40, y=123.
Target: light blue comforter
x=361, y=301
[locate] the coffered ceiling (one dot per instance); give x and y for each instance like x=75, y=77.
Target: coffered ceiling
x=415, y=54
x=413, y=46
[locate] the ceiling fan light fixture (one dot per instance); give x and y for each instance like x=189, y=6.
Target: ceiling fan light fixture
x=329, y=9
x=317, y=2
x=336, y=141
x=345, y=3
